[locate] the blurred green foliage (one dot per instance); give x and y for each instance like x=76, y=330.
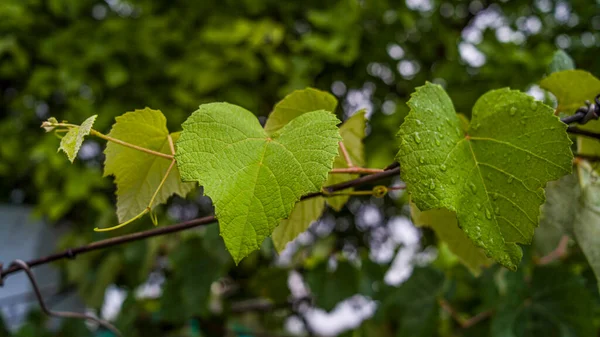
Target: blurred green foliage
x=72, y=59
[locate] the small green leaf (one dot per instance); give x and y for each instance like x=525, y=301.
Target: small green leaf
x=493, y=176
x=305, y=212
x=138, y=174
x=445, y=225
x=571, y=88
x=254, y=177
x=587, y=221
x=561, y=61
x=353, y=133
x=298, y=103
x=71, y=142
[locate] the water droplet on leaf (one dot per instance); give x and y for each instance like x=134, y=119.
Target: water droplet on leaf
x=513, y=111
x=473, y=188
x=510, y=180
x=432, y=185
x=443, y=168
x=488, y=214
x=417, y=138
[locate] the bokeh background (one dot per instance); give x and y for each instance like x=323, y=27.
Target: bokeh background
x=366, y=271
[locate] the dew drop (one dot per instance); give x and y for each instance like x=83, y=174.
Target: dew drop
x=473, y=188
x=419, y=123
x=495, y=196
x=488, y=214
x=514, y=195
x=452, y=180
x=478, y=206
x=513, y=111
x=497, y=210
x=437, y=142
x=417, y=138
x=448, y=121
x=432, y=185
x=422, y=160
x=510, y=180
x=443, y=167
x=439, y=128
x=533, y=105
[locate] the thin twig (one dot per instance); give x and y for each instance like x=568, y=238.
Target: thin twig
x=129, y=145
x=356, y=170
x=558, y=253
x=577, y=131
x=63, y=314
x=391, y=171
x=346, y=154
x=462, y=322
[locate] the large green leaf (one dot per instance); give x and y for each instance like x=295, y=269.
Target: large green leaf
x=444, y=224
x=297, y=103
x=71, y=142
x=353, y=133
x=254, y=177
x=493, y=176
x=138, y=174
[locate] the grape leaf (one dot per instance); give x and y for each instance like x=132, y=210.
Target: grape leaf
x=71, y=142
x=254, y=177
x=587, y=220
x=138, y=174
x=561, y=61
x=571, y=88
x=493, y=176
x=353, y=133
x=297, y=103
x=305, y=212
x=444, y=224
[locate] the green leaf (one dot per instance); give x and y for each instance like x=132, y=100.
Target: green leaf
x=493, y=176
x=571, y=88
x=561, y=61
x=353, y=133
x=587, y=221
x=138, y=174
x=297, y=103
x=557, y=213
x=305, y=212
x=445, y=225
x=555, y=303
x=71, y=142
x=254, y=177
